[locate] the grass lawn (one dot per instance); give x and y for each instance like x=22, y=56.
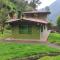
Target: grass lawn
x=50, y=58
x=54, y=38
x=12, y=50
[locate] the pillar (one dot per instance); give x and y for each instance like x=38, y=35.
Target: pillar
x=46, y=27
x=41, y=30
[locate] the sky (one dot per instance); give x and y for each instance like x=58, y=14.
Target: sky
x=45, y=3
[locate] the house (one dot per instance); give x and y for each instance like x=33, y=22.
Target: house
x=30, y=25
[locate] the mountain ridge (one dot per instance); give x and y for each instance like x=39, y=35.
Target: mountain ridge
x=55, y=11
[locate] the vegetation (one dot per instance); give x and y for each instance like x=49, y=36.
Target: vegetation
x=54, y=38
x=34, y=3
x=49, y=25
x=3, y=18
x=58, y=23
x=13, y=50
x=25, y=5
x=5, y=7
x=7, y=4
x=50, y=58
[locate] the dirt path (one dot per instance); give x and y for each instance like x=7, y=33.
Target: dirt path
x=54, y=45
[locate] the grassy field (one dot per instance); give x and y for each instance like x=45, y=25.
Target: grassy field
x=54, y=38
x=50, y=58
x=12, y=50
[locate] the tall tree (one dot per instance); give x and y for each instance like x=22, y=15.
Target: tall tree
x=6, y=4
x=3, y=18
x=58, y=23
x=34, y=3
x=25, y=5
x=20, y=4
x=5, y=7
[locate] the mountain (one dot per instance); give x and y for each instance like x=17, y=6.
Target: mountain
x=55, y=11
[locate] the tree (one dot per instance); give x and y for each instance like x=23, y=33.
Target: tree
x=47, y=8
x=3, y=18
x=20, y=4
x=5, y=7
x=58, y=23
x=24, y=5
x=34, y=3
x=49, y=25
x=7, y=4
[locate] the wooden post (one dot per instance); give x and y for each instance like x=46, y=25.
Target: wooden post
x=45, y=27
x=40, y=31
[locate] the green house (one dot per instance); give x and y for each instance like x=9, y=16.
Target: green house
x=29, y=26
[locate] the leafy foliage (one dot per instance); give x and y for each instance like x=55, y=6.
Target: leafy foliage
x=58, y=22
x=49, y=25
x=5, y=7
x=24, y=5
x=7, y=4
x=20, y=5
x=34, y=3
x=3, y=18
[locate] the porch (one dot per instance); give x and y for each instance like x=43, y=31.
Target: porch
x=29, y=30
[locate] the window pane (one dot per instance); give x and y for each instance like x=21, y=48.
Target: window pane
x=24, y=29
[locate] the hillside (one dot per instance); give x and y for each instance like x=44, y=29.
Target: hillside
x=55, y=11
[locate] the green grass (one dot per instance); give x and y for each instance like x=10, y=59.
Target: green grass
x=54, y=38
x=50, y=58
x=11, y=50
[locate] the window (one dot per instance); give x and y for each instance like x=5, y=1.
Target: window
x=24, y=29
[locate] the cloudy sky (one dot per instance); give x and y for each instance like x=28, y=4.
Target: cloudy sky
x=45, y=3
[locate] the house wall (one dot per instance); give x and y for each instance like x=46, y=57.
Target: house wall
x=35, y=33
x=37, y=16
x=15, y=30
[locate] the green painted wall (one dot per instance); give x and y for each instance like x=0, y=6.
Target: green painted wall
x=35, y=33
